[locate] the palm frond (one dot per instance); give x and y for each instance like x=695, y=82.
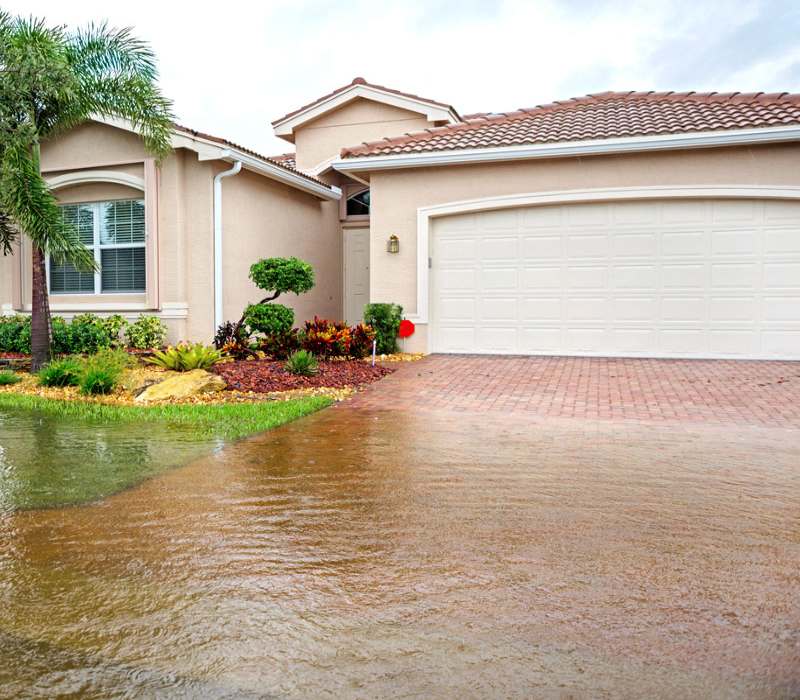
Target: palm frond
x=27, y=200
x=8, y=233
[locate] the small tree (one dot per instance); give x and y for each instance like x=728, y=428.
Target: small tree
x=278, y=276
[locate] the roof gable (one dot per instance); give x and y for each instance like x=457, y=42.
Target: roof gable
x=436, y=112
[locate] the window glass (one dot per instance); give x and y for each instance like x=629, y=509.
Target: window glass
x=115, y=233
x=358, y=204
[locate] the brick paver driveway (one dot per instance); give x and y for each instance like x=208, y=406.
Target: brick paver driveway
x=710, y=391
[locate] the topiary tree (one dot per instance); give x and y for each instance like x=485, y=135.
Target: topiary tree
x=277, y=276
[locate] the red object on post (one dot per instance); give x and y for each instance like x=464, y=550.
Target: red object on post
x=406, y=329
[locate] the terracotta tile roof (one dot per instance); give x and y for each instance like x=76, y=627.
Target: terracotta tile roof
x=280, y=161
x=287, y=159
x=361, y=81
x=601, y=116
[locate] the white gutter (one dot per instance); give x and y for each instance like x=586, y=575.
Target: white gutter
x=708, y=139
x=237, y=166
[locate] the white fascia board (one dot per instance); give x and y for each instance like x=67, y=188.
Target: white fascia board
x=207, y=150
x=708, y=139
x=432, y=112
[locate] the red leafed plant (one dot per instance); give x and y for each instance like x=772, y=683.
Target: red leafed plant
x=325, y=338
x=361, y=337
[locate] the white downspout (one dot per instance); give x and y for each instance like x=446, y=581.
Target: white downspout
x=237, y=166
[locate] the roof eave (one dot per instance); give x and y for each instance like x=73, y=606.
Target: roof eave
x=564, y=149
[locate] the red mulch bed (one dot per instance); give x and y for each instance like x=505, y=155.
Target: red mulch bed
x=263, y=376
x=13, y=356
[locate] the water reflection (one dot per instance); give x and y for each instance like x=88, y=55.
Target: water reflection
x=372, y=554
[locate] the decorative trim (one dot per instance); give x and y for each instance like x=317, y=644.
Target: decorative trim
x=210, y=150
x=85, y=177
x=634, y=144
x=425, y=214
x=174, y=310
x=433, y=113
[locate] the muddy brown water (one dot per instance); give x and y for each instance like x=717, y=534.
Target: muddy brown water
x=380, y=554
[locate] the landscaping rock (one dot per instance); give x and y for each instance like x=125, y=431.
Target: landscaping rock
x=182, y=386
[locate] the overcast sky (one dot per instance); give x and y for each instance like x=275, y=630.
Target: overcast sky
x=232, y=67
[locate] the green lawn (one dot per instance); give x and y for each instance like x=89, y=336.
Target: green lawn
x=226, y=421
x=58, y=453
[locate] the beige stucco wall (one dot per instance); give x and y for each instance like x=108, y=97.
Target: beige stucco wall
x=260, y=218
x=354, y=122
x=396, y=196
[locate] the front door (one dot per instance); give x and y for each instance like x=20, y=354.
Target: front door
x=356, y=273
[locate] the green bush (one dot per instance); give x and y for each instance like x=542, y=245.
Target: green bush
x=8, y=377
x=282, y=275
x=269, y=318
x=302, y=363
x=280, y=345
x=86, y=334
x=64, y=372
x=15, y=333
x=146, y=333
x=185, y=357
x=114, y=325
x=99, y=380
x=385, y=320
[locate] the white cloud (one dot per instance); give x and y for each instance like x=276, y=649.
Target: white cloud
x=232, y=68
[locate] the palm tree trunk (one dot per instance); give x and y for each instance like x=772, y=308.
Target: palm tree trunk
x=40, y=302
x=40, y=313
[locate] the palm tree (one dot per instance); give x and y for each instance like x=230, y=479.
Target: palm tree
x=52, y=80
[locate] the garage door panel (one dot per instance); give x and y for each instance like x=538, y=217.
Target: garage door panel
x=641, y=277
x=594, y=277
x=497, y=339
x=592, y=246
x=735, y=242
x=635, y=245
x=588, y=308
x=734, y=276
x=636, y=308
x=777, y=275
x=499, y=249
x=731, y=309
x=652, y=278
x=683, y=243
x=684, y=276
x=541, y=247
x=541, y=278
x=498, y=308
x=781, y=241
x=541, y=309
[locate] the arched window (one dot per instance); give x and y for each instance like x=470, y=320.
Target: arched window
x=358, y=204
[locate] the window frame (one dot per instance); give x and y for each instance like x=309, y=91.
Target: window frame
x=97, y=247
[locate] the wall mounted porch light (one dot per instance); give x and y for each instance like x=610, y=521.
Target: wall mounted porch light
x=393, y=244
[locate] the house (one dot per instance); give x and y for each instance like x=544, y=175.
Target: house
x=622, y=224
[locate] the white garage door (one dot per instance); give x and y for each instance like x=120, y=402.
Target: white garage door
x=672, y=278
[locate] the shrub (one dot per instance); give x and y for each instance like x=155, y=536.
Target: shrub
x=269, y=318
x=326, y=338
x=361, y=337
x=8, y=377
x=233, y=340
x=146, y=333
x=385, y=319
x=280, y=345
x=86, y=334
x=282, y=275
x=64, y=372
x=15, y=333
x=114, y=325
x=303, y=363
x=186, y=356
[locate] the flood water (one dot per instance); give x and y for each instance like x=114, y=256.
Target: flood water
x=381, y=554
